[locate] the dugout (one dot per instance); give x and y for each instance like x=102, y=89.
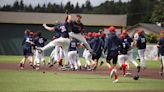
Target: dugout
x=13, y=24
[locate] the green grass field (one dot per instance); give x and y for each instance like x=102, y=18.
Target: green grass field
x=36, y=81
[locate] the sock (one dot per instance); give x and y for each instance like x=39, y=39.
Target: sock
x=115, y=76
x=124, y=68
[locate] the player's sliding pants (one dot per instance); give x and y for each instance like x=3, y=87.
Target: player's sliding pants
x=141, y=56
x=64, y=42
x=122, y=59
x=38, y=57
x=72, y=57
x=130, y=57
x=81, y=38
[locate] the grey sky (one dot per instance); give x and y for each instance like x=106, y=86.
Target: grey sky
x=41, y=2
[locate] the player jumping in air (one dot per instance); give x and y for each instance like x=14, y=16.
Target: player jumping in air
x=63, y=41
x=77, y=28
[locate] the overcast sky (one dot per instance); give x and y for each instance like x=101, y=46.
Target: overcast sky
x=41, y=2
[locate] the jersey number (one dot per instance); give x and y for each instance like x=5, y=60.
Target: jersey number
x=63, y=29
x=41, y=41
x=143, y=40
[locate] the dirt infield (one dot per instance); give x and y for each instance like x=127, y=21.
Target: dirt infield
x=148, y=73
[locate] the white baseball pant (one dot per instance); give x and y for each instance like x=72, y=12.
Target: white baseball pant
x=122, y=59
x=141, y=56
x=72, y=57
x=64, y=42
x=38, y=57
x=131, y=59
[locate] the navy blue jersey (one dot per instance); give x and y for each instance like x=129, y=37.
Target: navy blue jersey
x=112, y=45
x=57, y=31
x=97, y=45
x=128, y=39
x=73, y=45
x=124, y=47
x=141, y=42
x=26, y=41
x=40, y=41
x=76, y=27
x=27, y=47
x=62, y=29
x=161, y=46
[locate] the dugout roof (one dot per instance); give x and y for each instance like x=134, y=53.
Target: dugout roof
x=50, y=18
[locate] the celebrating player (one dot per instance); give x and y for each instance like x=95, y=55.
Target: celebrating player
x=63, y=41
x=161, y=50
x=141, y=45
x=39, y=42
x=76, y=29
x=112, y=45
x=27, y=49
x=97, y=45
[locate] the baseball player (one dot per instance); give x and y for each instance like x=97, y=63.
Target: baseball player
x=76, y=29
x=56, y=52
x=27, y=49
x=128, y=39
x=161, y=50
x=97, y=45
x=72, y=54
x=103, y=36
x=141, y=45
x=112, y=45
x=63, y=41
x=86, y=54
x=39, y=42
x=123, y=53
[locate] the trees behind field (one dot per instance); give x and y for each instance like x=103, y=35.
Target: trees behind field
x=137, y=10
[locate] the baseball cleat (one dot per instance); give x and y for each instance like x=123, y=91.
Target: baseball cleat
x=112, y=73
x=136, y=77
x=115, y=81
x=21, y=66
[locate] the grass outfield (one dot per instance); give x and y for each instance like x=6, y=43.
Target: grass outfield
x=36, y=81
x=27, y=81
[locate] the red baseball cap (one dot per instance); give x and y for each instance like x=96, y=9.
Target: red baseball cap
x=112, y=29
x=162, y=31
x=124, y=32
x=103, y=35
x=90, y=34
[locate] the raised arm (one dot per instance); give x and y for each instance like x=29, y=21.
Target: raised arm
x=48, y=28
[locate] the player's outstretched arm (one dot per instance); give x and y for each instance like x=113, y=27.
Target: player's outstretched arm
x=48, y=28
